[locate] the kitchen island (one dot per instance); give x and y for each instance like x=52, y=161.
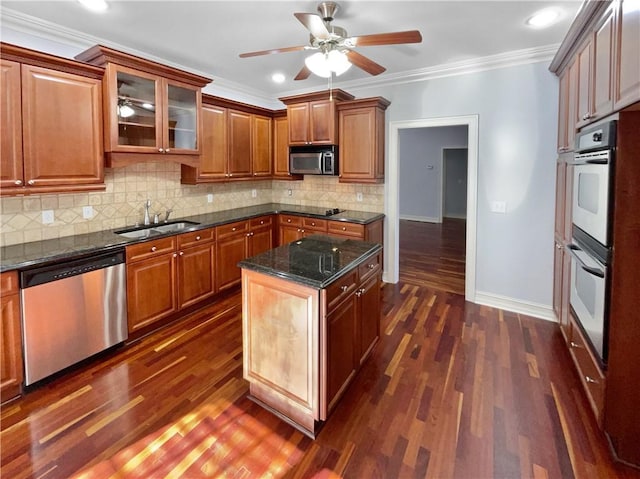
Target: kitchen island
x=311, y=316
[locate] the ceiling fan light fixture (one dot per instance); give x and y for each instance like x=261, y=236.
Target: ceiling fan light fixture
x=543, y=18
x=94, y=5
x=324, y=64
x=125, y=108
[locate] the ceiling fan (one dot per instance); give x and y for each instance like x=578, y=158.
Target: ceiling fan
x=335, y=49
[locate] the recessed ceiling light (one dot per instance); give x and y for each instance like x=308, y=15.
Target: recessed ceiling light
x=278, y=77
x=543, y=18
x=95, y=5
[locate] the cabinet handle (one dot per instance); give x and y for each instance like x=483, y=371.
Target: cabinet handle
x=154, y=249
x=575, y=345
x=371, y=266
x=161, y=150
x=358, y=293
x=301, y=231
x=181, y=253
x=197, y=238
x=167, y=150
x=344, y=228
x=589, y=379
x=313, y=224
x=234, y=228
x=248, y=234
x=230, y=174
x=289, y=220
x=586, y=116
x=31, y=182
x=18, y=182
x=262, y=222
x=175, y=255
x=344, y=288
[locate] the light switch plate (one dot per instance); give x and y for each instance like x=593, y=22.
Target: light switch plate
x=499, y=206
x=87, y=212
x=254, y=193
x=289, y=192
x=47, y=217
x=210, y=198
x=358, y=196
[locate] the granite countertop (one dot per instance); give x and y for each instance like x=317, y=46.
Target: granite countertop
x=60, y=249
x=315, y=261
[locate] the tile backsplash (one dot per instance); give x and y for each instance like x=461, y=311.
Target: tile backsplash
x=122, y=203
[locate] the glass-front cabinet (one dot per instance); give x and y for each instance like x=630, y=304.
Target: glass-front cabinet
x=149, y=108
x=150, y=114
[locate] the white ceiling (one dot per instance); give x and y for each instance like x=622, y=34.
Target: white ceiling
x=206, y=37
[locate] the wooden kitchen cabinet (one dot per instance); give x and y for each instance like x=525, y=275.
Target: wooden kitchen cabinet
x=370, y=232
x=603, y=55
x=584, y=93
x=289, y=228
x=237, y=241
x=627, y=57
x=368, y=294
x=312, y=118
x=236, y=143
x=281, y=148
x=149, y=109
x=51, y=124
x=362, y=134
x=196, y=266
x=567, y=109
x=152, y=281
x=11, y=360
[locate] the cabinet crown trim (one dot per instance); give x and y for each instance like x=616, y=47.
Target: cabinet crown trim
x=101, y=56
x=374, y=102
x=337, y=95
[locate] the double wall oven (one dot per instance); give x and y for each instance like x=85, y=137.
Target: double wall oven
x=591, y=233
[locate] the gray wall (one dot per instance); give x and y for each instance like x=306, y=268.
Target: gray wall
x=454, y=183
x=517, y=109
x=420, y=168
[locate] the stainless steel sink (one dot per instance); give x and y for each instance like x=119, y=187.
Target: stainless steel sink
x=156, y=229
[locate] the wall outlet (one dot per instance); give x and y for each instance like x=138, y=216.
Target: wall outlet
x=499, y=206
x=47, y=217
x=289, y=192
x=254, y=193
x=358, y=196
x=210, y=198
x=87, y=212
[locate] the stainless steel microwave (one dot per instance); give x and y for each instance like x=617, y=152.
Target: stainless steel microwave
x=313, y=160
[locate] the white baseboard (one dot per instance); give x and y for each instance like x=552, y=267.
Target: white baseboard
x=535, y=310
x=462, y=216
x=423, y=219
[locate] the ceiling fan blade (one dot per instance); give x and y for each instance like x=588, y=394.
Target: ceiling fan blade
x=314, y=24
x=393, y=38
x=274, y=50
x=303, y=74
x=365, y=63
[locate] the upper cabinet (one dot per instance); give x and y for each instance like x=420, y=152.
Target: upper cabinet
x=627, y=60
x=149, y=109
x=312, y=118
x=362, y=133
x=237, y=143
x=51, y=132
x=567, y=109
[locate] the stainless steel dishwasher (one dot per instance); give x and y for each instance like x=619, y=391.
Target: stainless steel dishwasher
x=71, y=311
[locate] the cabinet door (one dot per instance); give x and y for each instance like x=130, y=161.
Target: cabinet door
x=239, y=144
x=196, y=274
x=151, y=290
x=281, y=147
x=62, y=128
x=288, y=234
x=261, y=240
x=298, y=116
x=362, y=145
x=322, y=122
x=10, y=338
x=572, y=105
x=565, y=324
x=563, y=111
x=261, y=145
x=369, y=316
x=133, y=103
x=230, y=251
x=585, y=83
x=561, y=170
x=181, y=118
x=213, y=159
x=627, y=60
x=341, y=354
x=11, y=121
x=602, y=70
x=557, y=280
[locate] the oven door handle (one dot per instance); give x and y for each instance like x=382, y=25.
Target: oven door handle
x=593, y=271
x=592, y=161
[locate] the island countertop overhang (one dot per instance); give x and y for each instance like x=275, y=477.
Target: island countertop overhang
x=315, y=261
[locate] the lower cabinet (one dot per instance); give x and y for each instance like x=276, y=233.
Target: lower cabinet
x=293, y=227
x=168, y=274
x=341, y=353
x=11, y=361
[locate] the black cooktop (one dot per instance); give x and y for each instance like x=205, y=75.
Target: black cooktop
x=333, y=211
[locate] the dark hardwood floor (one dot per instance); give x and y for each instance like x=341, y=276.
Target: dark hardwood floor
x=452, y=390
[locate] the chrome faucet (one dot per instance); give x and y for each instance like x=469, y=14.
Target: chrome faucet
x=147, y=219
x=167, y=213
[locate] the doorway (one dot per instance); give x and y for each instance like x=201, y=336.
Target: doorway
x=454, y=183
x=392, y=203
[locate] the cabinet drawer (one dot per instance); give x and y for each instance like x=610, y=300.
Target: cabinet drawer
x=262, y=221
x=369, y=267
x=152, y=248
x=340, y=289
x=232, y=229
x=196, y=237
x=314, y=224
x=590, y=374
x=291, y=220
x=346, y=229
x=9, y=283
